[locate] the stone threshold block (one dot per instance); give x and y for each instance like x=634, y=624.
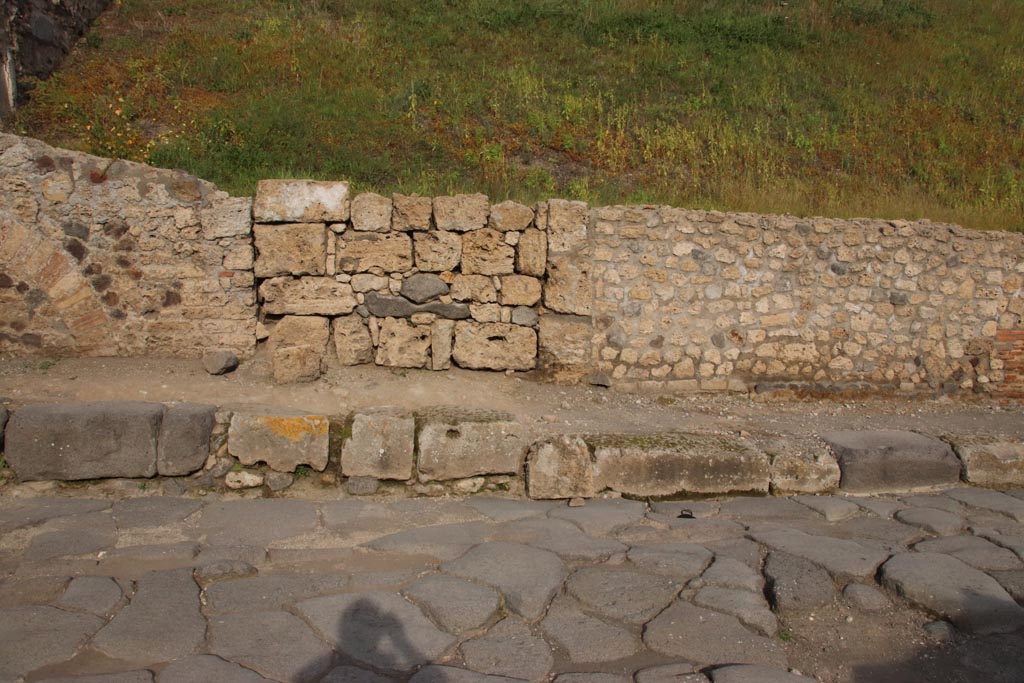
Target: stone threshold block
x=455, y=443
x=283, y=440
x=891, y=460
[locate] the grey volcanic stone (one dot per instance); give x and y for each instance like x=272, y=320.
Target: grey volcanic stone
x=891, y=460
x=444, y=541
x=990, y=500
x=435, y=673
x=200, y=668
x=726, y=572
x=456, y=604
x=509, y=509
x=423, y=287
x=221, y=570
x=585, y=638
x=840, y=557
x=379, y=629
x=74, y=541
x=256, y=522
x=270, y=591
x=362, y=486
x=220, y=362
x=701, y=635
x=750, y=608
x=681, y=561
x=559, y=536
x=278, y=481
x=153, y=511
x=184, y=443
x=1012, y=581
x=622, y=594
x=277, y=645
x=600, y=517
x=796, y=584
x=931, y=520
x=384, y=306
x=752, y=673
x=977, y=552
x=971, y=599
x=528, y=577
x=832, y=508
x=353, y=674
x=161, y=623
x=69, y=441
x=125, y=677
x=97, y=595
x=509, y=649
x=866, y=598
x=53, y=635
x=33, y=511
x=670, y=673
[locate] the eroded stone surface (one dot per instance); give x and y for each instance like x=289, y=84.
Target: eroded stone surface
x=891, y=460
x=510, y=649
x=277, y=645
x=702, y=635
x=54, y=635
x=455, y=604
x=622, y=594
x=296, y=201
x=283, y=441
x=528, y=577
x=494, y=346
x=456, y=445
x=381, y=446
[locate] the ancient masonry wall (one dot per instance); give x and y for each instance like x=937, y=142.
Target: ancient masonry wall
x=111, y=258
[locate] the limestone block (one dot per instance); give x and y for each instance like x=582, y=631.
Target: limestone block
x=297, y=345
x=231, y=217
x=360, y=253
x=495, y=346
x=381, y=446
x=281, y=440
x=560, y=467
x=510, y=216
x=293, y=249
x=69, y=441
x=566, y=225
x=301, y=201
x=802, y=464
x=568, y=288
x=367, y=282
x=990, y=459
x=239, y=256
x=519, y=290
x=485, y=313
x=410, y=212
x=403, y=345
x=371, y=213
x=437, y=251
x=668, y=463
x=891, y=460
x=532, y=253
x=461, y=213
x=565, y=345
x=184, y=442
x=306, y=296
x=441, y=334
x=459, y=444
x=352, y=341
x=423, y=287
x=485, y=252
x=475, y=288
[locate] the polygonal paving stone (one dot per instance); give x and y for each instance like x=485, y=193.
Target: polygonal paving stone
x=277, y=645
x=455, y=604
x=508, y=509
x=977, y=552
x=222, y=570
x=592, y=678
x=763, y=509
x=379, y=629
x=134, y=561
x=97, y=595
x=840, y=557
x=125, y=677
x=832, y=508
x=990, y=500
x=866, y=598
x=73, y=541
x=433, y=673
x=256, y=522
x=445, y=542
x=33, y=511
x=700, y=635
x=35, y=590
x=622, y=594
x=681, y=561
x=934, y=500
x=601, y=517
x=155, y=511
x=559, y=536
x=931, y=520
x=270, y=591
x=33, y=637
x=678, y=672
x=796, y=584
x=971, y=599
x=1012, y=582
x=586, y=639
x=161, y=623
x=353, y=674
x=201, y=668
x=752, y=673
x=750, y=608
x=726, y=572
x=881, y=506
x=698, y=531
x=528, y=577
x=509, y=649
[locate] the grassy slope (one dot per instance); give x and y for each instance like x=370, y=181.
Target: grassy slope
x=843, y=107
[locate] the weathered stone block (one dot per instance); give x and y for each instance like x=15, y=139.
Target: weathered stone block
x=352, y=340
x=566, y=225
x=532, y=253
x=520, y=290
x=990, y=460
x=461, y=213
x=459, y=444
x=403, y=345
x=510, y=216
x=307, y=296
x=667, y=464
x=229, y=218
x=361, y=253
x=485, y=252
x=560, y=467
x=297, y=345
x=568, y=288
x=441, y=333
x=371, y=213
x=423, y=287
x=411, y=213
x=282, y=440
x=381, y=446
x=437, y=251
x=565, y=345
x=802, y=464
x=296, y=249
x=495, y=346
x=69, y=441
x=301, y=201
x=891, y=460
x=184, y=442
x=476, y=288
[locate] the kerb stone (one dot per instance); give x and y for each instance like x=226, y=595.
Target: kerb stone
x=560, y=467
x=891, y=460
x=460, y=444
x=381, y=446
x=184, y=442
x=282, y=441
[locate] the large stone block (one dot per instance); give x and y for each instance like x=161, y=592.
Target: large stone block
x=568, y=288
x=411, y=213
x=281, y=440
x=667, y=463
x=371, y=213
x=510, y=216
x=297, y=345
x=479, y=289
x=352, y=340
x=295, y=249
x=403, y=345
x=184, y=441
x=532, y=253
x=381, y=446
x=802, y=464
x=229, y=218
x=461, y=213
x=560, y=467
x=437, y=251
x=456, y=444
x=565, y=345
x=69, y=441
x=891, y=460
x=441, y=333
x=361, y=253
x=495, y=346
x=383, y=306
x=307, y=296
x=990, y=460
x=301, y=201
x=566, y=225
x=485, y=252
x=519, y=290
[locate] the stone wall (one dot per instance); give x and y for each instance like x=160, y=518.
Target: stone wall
x=110, y=258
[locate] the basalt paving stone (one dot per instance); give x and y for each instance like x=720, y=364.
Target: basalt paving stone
x=126, y=677
x=529, y=577
x=254, y=555
x=935, y=501
x=751, y=673
x=35, y=636
x=26, y=513
x=681, y=561
x=866, y=598
x=256, y=522
x=832, y=508
x=679, y=672
x=222, y=570
x=509, y=649
x=559, y=536
x=379, y=629
x=1014, y=543
x=726, y=572
x=431, y=511
x=97, y=595
x=840, y=557
x=134, y=561
x=708, y=637
x=445, y=542
x=340, y=515
x=207, y=669
x=586, y=639
x=508, y=509
x=161, y=623
x=741, y=549
x=884, y=534
x=796, y=584
x=71, y=542
x=592, y=678
x=684, y=509
x=881, y=506
x=353, y=674
x=276, y=645
x=155, y=511
x=932, y=520
x=268, y=592
x=434, y=673
x=317, y=560
x=1012, y=582
x=36, y=590
x=892, y=460
x=601, y=517
x=764, y=509
x=456, y=605
x=975, y=551
x=990, y=500
x=681, y=530
x=750, y=608
x=622, y=594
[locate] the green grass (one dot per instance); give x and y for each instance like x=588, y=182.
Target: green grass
x=899, y=108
